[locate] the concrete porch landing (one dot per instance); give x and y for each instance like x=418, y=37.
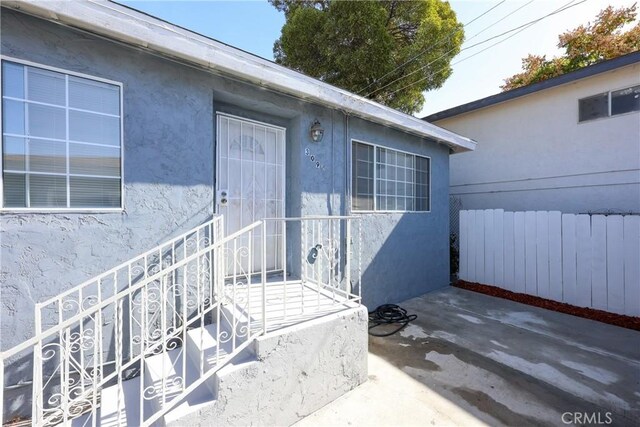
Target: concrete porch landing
x=471, y=359
x=287, y=303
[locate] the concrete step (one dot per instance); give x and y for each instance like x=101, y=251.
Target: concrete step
x=172, y=372
x=298, y=370
x=110, y=414
x=177, y=369
x=203, y=348
x=203, y=341
x=243, y=316
x=182, y=365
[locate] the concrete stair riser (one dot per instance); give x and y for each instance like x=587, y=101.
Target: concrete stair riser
x=297, y=370
x=276, y=379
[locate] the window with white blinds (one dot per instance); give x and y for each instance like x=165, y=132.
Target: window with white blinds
x=61, y=140
x=389, y=180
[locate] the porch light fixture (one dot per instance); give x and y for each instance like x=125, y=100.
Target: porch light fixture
x=316, y=131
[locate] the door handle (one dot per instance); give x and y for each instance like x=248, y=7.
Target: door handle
x=223, y=198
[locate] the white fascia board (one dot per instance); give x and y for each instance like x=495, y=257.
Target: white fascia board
x=120, y=23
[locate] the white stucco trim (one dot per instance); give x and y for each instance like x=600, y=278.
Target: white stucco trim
x=123, y=24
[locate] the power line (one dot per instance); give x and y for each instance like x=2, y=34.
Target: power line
x=561, y=9
x=467, y=47
x=413, y=58
x=453, y=48
x=500, y=20
x=520, y=28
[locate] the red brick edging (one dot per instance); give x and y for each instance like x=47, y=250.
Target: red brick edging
x=629, y=322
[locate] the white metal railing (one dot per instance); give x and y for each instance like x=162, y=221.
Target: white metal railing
x=328, y=249
x=94, y=334
x=104, y=331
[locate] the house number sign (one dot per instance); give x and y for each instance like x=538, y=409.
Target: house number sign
x=313, y=159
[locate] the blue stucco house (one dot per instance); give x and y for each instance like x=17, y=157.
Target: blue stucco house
x=122, y=131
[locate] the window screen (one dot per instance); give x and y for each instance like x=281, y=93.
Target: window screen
x=61, y=143
x=625, y=101
x=593, y=107
x=401, y=180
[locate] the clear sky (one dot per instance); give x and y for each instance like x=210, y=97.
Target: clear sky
x=254, y=25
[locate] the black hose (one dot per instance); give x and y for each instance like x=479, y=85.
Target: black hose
x=389, y=314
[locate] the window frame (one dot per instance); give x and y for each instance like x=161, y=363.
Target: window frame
x=87, y=210
x=375, y=180
x=609, y=105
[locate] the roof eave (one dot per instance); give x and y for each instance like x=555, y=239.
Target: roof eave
x=126, y=25
x=564, y=79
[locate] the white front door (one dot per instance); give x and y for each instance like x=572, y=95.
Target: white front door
x=250, y=182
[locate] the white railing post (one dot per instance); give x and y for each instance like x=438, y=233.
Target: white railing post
x=264, y=277
x=283, y=234
x=303, y=264
x=358, y=255
x=347, y=255
x=36, y=393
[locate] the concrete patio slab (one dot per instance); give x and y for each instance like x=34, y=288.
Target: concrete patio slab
x=479, y=360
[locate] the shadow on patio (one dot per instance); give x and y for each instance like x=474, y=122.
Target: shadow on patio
x=471, y=359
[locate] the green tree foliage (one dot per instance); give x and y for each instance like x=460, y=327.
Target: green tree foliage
x=608, y=37
x=357, y=45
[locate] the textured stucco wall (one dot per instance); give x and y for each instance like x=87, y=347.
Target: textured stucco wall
x=533, y=154
x=297, y=371
x=167, y=189
x=169, y=145
x=402, y=254
x=169, y=133
x=405, y=255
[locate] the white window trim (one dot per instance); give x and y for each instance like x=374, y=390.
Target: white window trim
x=375, y=179
x=609, y=115
x=43, y=210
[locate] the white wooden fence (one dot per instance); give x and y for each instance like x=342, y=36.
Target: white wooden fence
x=583, y=260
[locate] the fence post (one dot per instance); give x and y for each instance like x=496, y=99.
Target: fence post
x=569, y=259
x=498, y=247
x=615, y=264
x=583, y=260
x=599, y=262
x=542, y=254
x=631, y=266
x=555, y=255
x=508, y=248
x=489, y=249
x=530, y=264
x=479, y=232
x=472, y=274
x=463, y=251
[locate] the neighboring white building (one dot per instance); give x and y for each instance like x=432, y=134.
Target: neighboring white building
x=571, y=143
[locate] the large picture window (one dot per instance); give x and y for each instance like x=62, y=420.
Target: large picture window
x=389, y=180
x=61, y=140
